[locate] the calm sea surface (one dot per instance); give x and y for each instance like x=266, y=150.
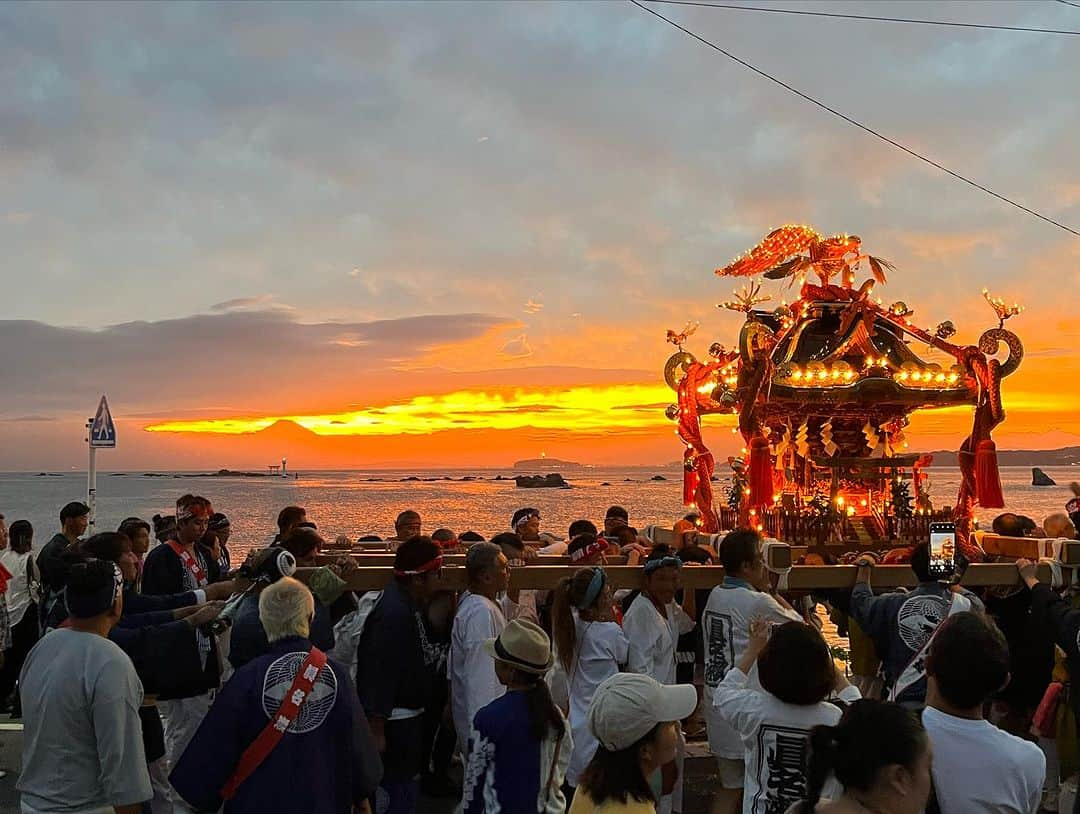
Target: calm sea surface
x=357, y=502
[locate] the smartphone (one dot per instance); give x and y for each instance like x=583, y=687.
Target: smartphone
x=942, y=550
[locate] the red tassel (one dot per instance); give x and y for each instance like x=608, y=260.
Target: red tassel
x=987, y=478
x=760, y=478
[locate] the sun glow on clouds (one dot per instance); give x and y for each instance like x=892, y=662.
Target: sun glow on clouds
x=585, y=409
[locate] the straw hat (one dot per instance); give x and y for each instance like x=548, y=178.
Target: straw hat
x=524, y=646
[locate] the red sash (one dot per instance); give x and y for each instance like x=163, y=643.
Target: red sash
x=190, y=563
x=262, y=746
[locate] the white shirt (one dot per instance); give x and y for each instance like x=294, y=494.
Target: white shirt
x=774, y=737
x=18, y=590
x=601, y=648
x=524, y=608
x=652, y=638
x=473, y=684
x=725, y=627
x=559, y=547
x=980, y=768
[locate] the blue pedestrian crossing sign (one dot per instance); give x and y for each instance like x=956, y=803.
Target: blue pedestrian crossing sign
x=103, y=430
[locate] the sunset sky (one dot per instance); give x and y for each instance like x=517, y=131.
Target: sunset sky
x=454, y=234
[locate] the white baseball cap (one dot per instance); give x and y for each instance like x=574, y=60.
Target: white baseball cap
x=627, y=706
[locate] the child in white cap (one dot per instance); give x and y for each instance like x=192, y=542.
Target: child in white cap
x=635, y=719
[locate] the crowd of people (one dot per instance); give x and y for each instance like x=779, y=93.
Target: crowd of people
x=155, y=673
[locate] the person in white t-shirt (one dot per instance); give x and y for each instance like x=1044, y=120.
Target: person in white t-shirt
x=977, y=767
x=797, y=675
x=590, y=648
x=725, y=629
x=653, y=624
x=473, y=683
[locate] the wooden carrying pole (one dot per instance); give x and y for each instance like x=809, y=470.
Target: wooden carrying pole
x=801, y=577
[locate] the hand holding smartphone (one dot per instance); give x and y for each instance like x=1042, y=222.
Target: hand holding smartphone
x=942, y=550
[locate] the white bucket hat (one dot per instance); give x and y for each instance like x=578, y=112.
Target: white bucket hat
x=627, y=706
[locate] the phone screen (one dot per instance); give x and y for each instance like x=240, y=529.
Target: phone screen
x=942, y=548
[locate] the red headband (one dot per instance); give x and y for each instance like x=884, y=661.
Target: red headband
x=433, y=565
x=197, y=509
x=588, y=551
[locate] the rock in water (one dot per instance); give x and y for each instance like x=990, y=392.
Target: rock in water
x=1040, y=478
x=552, y=481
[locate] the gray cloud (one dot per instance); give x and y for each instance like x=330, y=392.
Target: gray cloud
x=235, y=362
x=157, y=155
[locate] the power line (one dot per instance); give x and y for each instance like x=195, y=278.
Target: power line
x=1069, y=3
x=852, y=121
x=867, y=17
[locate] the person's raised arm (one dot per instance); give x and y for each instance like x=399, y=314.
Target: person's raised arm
x=737, y=703
x=759, y=637
x=1050, y=610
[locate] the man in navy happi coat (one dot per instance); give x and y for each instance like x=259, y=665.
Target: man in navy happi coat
x=325, y=763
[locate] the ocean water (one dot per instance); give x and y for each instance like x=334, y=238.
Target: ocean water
x=366, y=502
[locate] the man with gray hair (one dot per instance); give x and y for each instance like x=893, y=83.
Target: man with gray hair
x=287, y=722
x=473, y=684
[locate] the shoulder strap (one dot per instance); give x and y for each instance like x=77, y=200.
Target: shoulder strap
x=274, y=731
x=554, y=762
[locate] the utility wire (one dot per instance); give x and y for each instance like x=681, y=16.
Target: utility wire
x=867, y=17
x=1069, y=3
x=852, y=121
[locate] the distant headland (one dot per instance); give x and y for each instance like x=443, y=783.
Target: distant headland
x=1066, y=456
x=544, y=463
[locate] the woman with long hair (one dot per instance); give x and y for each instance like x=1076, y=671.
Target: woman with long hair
x=23, y=591
x=519, y=744
x=590, y=647
x=879, y=753
x=636, y=723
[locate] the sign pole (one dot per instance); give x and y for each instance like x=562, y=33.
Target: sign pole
x=101, y=432
x=91, y=479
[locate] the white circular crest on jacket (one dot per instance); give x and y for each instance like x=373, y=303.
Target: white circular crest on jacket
x=315, y=709
x=918, y=617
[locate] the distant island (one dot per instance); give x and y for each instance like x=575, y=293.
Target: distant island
x=544, y=463
x=221, y=473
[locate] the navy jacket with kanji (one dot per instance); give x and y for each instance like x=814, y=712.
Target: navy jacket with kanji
x=325, y=763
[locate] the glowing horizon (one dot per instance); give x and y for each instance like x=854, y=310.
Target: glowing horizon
x=582, y=408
